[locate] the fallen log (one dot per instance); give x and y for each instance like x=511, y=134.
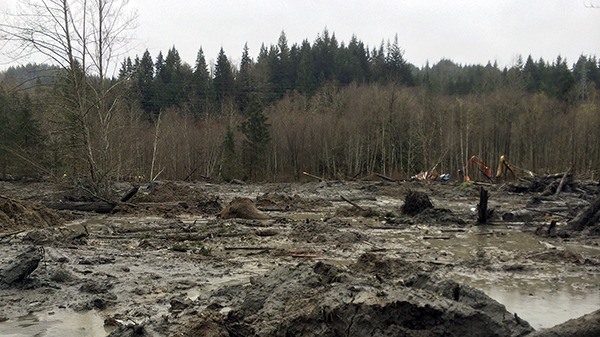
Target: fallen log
x=95, y=206
x=437, y=237
x=562, y=183
x=249, y=248
x=130, y=194
x=351, y=203
x=588, y=217
x=313, y=176
x=385, y=177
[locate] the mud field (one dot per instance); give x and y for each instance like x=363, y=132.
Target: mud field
x=311, y=259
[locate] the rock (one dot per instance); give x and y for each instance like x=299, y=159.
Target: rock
x=22, y=266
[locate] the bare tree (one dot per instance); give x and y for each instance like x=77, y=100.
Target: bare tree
x=83, y=38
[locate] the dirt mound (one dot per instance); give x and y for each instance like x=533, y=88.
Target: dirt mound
x=325, y=300
x=171, y=199
x=347, y=212
x=560, y=256
x=18, y=215
x=386, y=268
x=242, y=208
x=281, y=202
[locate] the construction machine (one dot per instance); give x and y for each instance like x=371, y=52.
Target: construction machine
x=502, y=173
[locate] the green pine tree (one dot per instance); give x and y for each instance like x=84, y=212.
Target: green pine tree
x=257, y=137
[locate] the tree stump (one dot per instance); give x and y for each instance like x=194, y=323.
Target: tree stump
x=482, y=207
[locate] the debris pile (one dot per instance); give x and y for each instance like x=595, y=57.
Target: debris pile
x=19, y=214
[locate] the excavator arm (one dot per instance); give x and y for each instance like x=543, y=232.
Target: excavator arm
x=481, y=165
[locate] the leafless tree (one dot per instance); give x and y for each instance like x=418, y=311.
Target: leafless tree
x=83, y=38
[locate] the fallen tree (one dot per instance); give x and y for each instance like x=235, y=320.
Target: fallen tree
x=588, y=217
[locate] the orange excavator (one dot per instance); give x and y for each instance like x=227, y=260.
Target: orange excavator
x=504, y=168
x=483, y=168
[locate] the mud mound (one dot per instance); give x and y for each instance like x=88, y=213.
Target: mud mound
x=169, y=200
x=439, y=216
x=319, y=232
x=283, y=202
x=18, y=214
x=386, y=268
x=559, y=256
x=242, y=208
x=347, y=212
x=324, y=300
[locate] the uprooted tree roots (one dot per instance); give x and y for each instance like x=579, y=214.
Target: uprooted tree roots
x=415, y=203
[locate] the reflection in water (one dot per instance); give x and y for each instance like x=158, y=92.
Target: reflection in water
x=64, y=323
x=546, y=309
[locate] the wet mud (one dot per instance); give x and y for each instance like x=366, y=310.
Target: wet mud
x=326, y=258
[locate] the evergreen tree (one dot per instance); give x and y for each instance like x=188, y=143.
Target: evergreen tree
x=144, y=76
x=378, y=64
x=245, y=85
x=202, y=94
x=20, y=135
x=223, y=80
x=532, y=75
x=396, y=68
x=281, y=71
x=262, y=75
x=324, y=50
x=563, y=80
x=360, y=60
x=307, y=82
x=257, y=137
x=230, y=167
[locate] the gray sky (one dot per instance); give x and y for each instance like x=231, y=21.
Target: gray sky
x=466, y=32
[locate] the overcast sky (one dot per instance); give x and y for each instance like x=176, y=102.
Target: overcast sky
x=467, y=32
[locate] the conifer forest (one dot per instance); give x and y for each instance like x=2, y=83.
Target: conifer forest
x=337, y=109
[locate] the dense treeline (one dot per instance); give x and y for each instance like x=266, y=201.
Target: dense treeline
x=331, y=108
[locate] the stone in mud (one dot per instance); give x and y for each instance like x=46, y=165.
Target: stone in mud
x=242, y=208
x=22, y=266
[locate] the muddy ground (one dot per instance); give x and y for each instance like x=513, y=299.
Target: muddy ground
x=311, y=264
